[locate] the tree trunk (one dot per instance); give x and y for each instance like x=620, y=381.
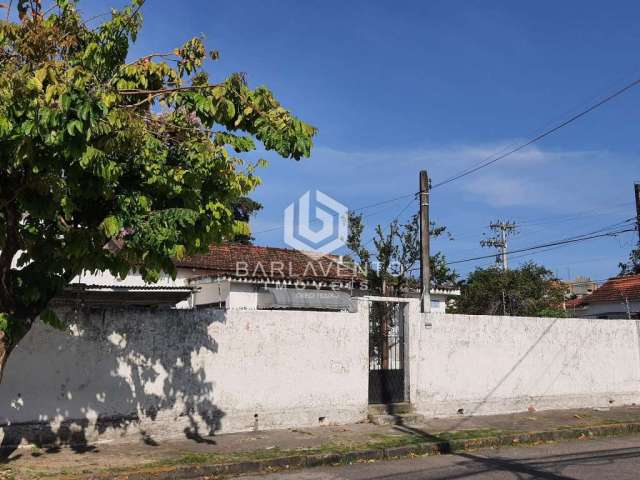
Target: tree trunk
x=5, y=350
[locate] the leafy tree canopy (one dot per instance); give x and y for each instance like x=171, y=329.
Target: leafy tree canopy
x=632, y=266
x=530, y=290
x=393, y=267
x=98, y=150
x=243, y=209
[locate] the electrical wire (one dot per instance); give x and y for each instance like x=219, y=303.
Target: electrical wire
x=599, y=233
x=490, y=160
x=545, y=245
x=395, y=219
x=574, y=216
x=364, y=207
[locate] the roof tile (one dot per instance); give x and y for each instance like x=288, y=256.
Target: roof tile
x=254, y=262
x=616, y=289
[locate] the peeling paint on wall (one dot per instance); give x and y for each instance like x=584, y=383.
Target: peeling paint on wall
x=193, y=373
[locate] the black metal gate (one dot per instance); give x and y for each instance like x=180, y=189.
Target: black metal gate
x=386, y=352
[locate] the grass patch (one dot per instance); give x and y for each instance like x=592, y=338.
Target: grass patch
x=6, y=474
x=473, y=434
x=375, y=441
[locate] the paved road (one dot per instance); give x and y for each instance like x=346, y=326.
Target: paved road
x=615, y=458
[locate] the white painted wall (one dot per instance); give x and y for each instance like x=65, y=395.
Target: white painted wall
x=616, y=309
x=438, y=303
x=487, y=365
x=233, y=294
x=243, y=296
x=190, y=371
x=211, y=292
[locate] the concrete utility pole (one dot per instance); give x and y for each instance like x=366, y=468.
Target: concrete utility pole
x=425, y=268
x=637, y=190
x=503, y=230
x=503, y=249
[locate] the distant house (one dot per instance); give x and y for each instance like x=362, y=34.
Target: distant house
x=249, y=277
x=618, y=297
x=580, y=287
x=443, y=297
x=231, y=276
x=241, y=277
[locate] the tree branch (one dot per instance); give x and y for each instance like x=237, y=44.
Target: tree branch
x=9, y=9
x=161, y=91
x=13, y=197
x=153, y=55
x=10, y=248
x=151, y=94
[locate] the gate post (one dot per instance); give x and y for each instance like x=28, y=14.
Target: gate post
x=413, y=332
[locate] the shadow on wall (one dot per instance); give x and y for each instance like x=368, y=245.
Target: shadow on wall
x=117, y=371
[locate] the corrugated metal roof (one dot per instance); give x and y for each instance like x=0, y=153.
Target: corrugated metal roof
x=148, y=295
x=150, y=288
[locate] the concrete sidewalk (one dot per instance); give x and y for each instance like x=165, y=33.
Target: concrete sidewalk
x=268, y=450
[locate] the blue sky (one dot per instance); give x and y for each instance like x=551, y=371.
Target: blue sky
x=395, y=87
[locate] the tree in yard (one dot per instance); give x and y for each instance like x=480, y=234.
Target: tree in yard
x=632, y=266
x=530, y=290
x=397, y=252
x=243, y=209
x=110, y=164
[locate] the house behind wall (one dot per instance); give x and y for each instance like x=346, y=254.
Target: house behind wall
x=618, y=297
x=131, y=374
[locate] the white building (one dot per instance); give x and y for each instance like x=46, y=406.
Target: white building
x=243, y=277
x=618, y=297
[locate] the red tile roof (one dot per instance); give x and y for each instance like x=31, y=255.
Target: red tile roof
x=262, y=263
x=616, y=290
x=573, y=303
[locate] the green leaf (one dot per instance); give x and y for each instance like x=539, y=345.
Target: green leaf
x=110, y=226
x=241, y=228
x=99, y=159
x=34, y=84
x=74, y=126
x=180, y=252
x=230, y=109
x=40, y=75
x=50, y=318
x=49, y=93
x=4, y=322
x=90, y=155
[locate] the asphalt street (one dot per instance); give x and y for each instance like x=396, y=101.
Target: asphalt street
x=614, y=458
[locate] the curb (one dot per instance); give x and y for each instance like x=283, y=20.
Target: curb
x=427, y=448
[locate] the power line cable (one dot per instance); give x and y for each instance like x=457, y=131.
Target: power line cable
x=490, y=161
x=396, y=218
x=620, y=223
x=364, y=207
x=384, y=202
x=550, y=244
x=555, y=244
